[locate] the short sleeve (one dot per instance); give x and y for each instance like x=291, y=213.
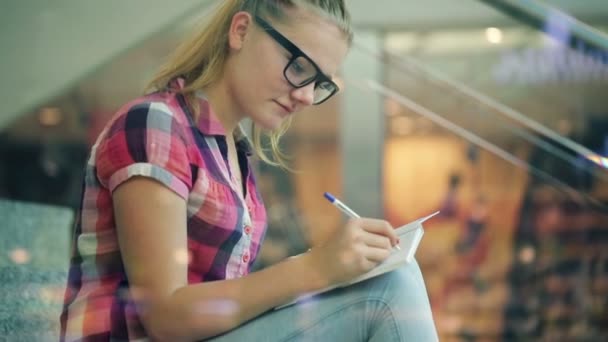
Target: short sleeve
x=147, y=140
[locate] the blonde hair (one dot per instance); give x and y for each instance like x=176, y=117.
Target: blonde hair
x=200, y=59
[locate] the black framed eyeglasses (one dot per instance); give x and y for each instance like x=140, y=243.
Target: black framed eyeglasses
x=301, y=71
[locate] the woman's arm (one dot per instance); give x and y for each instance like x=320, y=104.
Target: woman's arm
x=151, y=225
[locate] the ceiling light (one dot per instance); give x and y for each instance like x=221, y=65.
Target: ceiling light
x=494, y=35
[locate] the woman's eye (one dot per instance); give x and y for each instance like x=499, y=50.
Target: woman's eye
x=297, y=67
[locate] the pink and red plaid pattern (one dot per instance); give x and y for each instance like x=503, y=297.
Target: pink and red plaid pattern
x=155, y=136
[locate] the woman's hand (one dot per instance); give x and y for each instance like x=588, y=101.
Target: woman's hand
x=354, y=249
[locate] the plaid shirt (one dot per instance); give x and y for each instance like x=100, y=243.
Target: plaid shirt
x=155, y=136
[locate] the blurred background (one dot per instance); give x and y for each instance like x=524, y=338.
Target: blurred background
x=492, y=111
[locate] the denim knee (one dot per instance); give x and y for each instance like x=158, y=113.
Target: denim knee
x=404, y=293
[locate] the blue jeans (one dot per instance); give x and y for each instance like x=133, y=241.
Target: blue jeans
x=390, y=307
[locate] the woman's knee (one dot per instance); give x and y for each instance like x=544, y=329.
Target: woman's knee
x=404, y=292
x=399, y=284
x=393, y=306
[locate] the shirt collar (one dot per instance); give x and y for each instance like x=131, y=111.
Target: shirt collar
x=208, y=123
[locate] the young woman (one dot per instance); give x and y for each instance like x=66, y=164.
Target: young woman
x=171, y=219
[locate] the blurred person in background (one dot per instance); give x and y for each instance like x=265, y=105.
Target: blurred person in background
x=171, y=219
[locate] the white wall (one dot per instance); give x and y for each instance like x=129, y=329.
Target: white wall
x=48, y=46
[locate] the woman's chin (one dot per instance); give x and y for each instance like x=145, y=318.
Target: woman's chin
x=270, y=123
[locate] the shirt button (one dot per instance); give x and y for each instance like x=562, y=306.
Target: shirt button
x=248, y=230
x=246, y=257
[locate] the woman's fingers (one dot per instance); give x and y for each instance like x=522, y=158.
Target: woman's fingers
x=376, y=255
x=376, y=240
x=359, y=247
x=380, y=227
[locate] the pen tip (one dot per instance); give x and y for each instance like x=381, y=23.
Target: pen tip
x=329, y=196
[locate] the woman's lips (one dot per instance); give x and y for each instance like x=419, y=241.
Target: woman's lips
x=286, y=109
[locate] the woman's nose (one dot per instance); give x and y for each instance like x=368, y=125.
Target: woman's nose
x=304, y=95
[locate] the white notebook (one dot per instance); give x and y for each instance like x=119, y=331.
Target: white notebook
x=409, y=239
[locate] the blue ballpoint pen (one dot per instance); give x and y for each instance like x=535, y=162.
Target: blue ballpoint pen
x=346, y=210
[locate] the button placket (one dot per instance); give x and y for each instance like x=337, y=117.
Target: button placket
x=248, y=230
x=247, y=233
x=247, y=226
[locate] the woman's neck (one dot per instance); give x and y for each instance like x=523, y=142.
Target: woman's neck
x=219, y=97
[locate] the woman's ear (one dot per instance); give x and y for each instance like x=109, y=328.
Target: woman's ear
x=239, y=29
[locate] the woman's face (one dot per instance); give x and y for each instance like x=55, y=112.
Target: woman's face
x=255, y=70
